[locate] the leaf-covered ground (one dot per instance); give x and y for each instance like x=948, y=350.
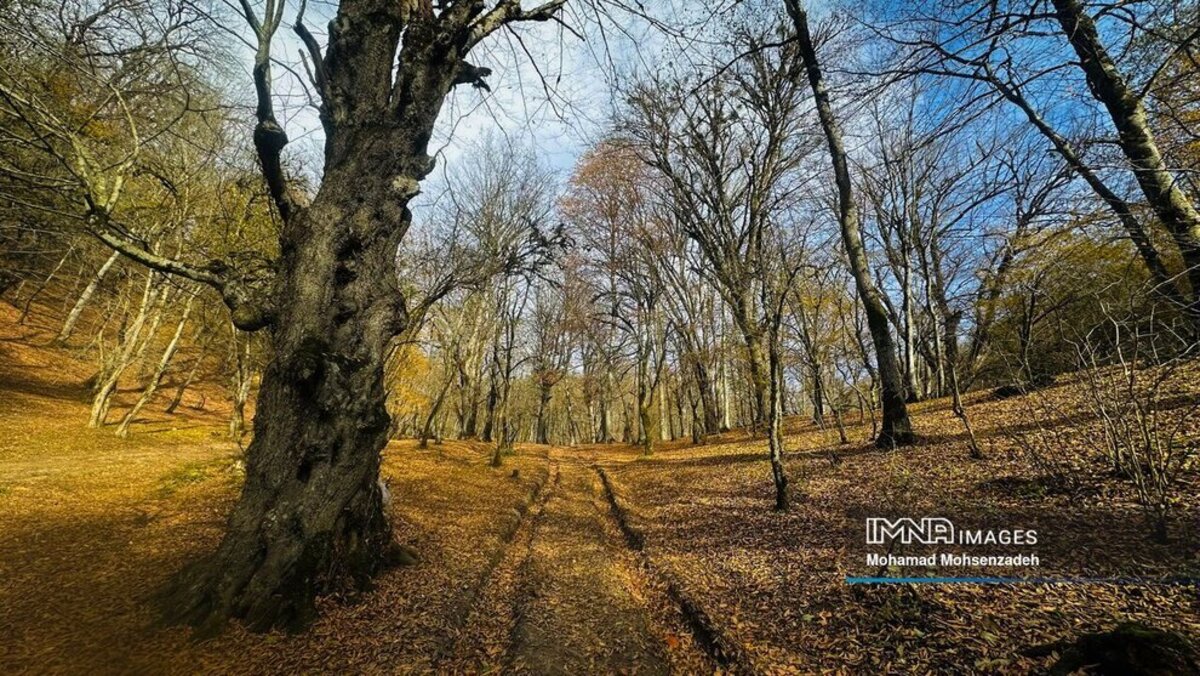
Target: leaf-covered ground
x=775, y=583
x=569, y=560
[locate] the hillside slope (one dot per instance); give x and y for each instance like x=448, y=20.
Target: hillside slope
x=572, y=559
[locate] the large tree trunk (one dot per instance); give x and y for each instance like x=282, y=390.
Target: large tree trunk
x=896, y=430
x=467, y=403
x=311, y=514
x=760, y=378
x=572, y=426
x=311, y=517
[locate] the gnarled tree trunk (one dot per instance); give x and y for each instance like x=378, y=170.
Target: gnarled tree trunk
x=311, y=516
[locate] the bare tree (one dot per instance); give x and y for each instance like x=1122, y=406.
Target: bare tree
x=896, y=429
x=551, y=349
x=159, y=370
x=1004, y=47
x=311, y=515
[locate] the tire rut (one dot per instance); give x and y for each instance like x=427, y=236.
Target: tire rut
x=580, y=605
x=572, y=591
x=454, y=648
x=716, y=644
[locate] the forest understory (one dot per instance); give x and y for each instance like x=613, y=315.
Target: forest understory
x=575, y=559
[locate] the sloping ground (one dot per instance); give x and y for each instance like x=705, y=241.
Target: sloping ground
x=31, y=364
x=775, y=583
x=91, y=526
x=583, y=560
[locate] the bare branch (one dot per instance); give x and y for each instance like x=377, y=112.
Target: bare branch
x=509, y=11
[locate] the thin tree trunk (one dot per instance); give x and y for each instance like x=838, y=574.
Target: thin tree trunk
x=775, y=428
x=572, y=424
x=493, y=398
x=818, y=392
x=42, y=286
x=241, y=385
x=131, y=339
x=545, y=392
x=185, y=383
x=896, y=430
x=648, y=424
x=88, y=291
x=156, y=377
x=707, y=398
x=910, y=368
x=1165, y=286
x=1136, y=140
x=726, y=404
x=427, y=429
x=841, y=428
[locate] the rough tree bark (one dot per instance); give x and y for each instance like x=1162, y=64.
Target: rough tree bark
x=311, y=517
x=896, y=429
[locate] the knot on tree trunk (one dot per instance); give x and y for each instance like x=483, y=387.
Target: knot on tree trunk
x=269, y=136
x=308, y=362
x=246, y=290
x=473, y=75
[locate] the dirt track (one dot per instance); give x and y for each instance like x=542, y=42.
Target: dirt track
x=570, y=596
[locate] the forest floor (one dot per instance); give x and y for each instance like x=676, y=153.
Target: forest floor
x=576, y=560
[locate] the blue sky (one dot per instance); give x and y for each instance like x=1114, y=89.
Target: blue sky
x=551, y=91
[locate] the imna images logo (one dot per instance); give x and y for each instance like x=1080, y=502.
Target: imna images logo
x=941, y=531
x=927, y=531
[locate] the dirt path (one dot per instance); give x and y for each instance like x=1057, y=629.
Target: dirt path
x=571, y=597
x=580, y=605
